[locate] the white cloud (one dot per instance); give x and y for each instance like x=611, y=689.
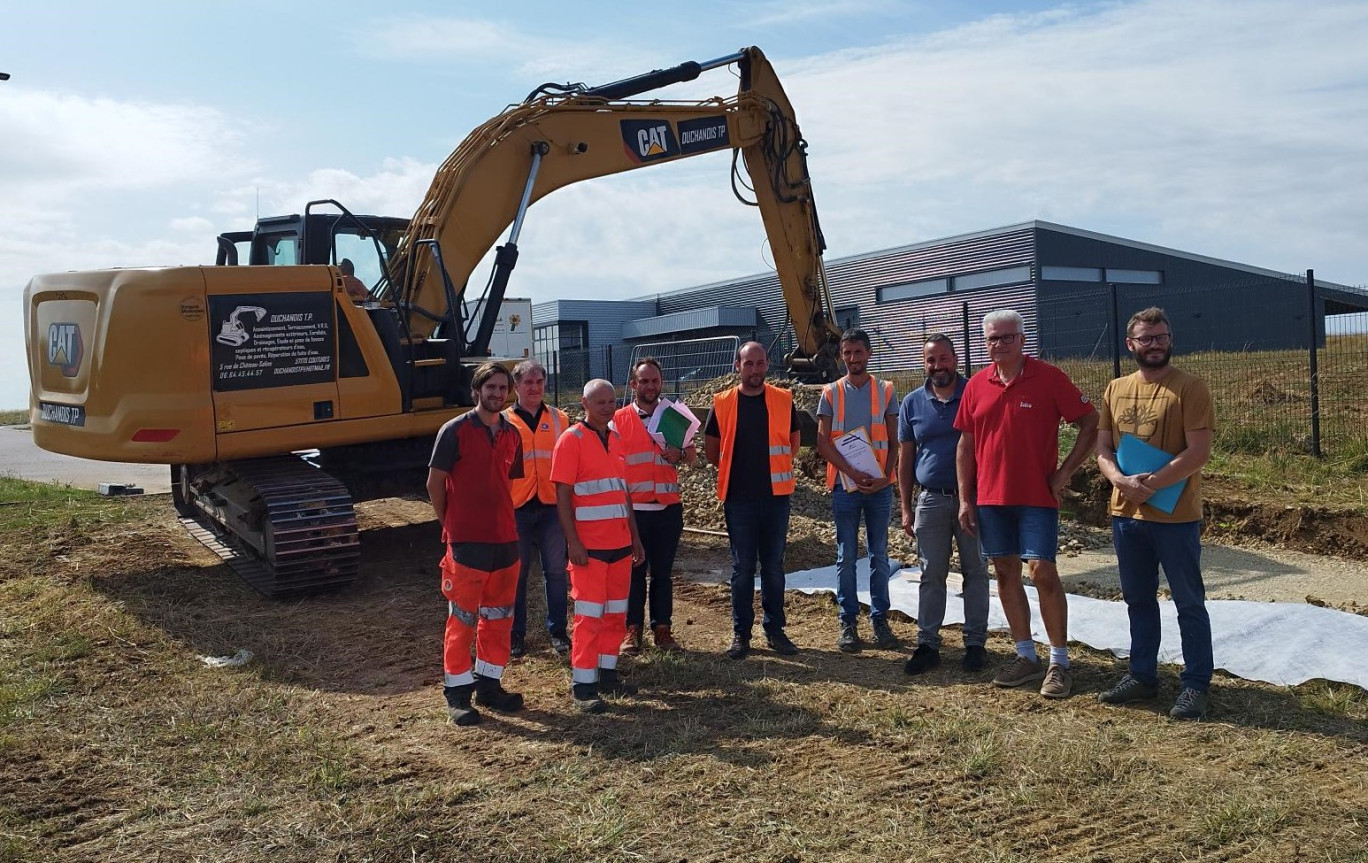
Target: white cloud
x=63, y=144
x=518, y=54
x=786, y=12
x=1200, y=125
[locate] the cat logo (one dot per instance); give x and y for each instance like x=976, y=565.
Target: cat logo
x=65, y=348
x=648, y=140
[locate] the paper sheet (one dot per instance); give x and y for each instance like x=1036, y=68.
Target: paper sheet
x=672, y=424
x=854, y=446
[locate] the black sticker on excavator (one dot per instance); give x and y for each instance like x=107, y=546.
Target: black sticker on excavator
x=271, y=340
x=648, y=140
x=703, y=134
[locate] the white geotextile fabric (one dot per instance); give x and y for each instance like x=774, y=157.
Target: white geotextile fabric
x=1284, y=643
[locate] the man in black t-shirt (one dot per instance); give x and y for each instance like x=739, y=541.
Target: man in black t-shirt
x=752, y=437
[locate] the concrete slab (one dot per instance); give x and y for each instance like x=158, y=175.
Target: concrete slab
x=21, y=457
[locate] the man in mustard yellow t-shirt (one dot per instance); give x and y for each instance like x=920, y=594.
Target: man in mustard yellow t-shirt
x=1171, y=410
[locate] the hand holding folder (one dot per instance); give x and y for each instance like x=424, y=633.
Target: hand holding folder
x=1135, y=456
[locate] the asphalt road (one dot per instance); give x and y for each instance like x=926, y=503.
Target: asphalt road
x=20, y=457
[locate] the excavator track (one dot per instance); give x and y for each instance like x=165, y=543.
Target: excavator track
x=283, y=526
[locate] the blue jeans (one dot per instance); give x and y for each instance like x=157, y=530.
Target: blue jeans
x=847, y=508
x=1141, y=548
x=937, y=526
x=659, y=530
x=1027, y=532
x=539, y=528
x=759, y=531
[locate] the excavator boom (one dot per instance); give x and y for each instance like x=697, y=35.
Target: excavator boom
x=556, y=139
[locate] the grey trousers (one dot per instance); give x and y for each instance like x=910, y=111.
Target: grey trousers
x=936, y=525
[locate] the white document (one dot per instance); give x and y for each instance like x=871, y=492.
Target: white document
x=854, y=446
x=681, y=411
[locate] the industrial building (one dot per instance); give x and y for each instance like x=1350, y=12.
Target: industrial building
x=1063, y=280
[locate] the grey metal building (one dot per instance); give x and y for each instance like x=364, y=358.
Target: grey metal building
x=1060, y=278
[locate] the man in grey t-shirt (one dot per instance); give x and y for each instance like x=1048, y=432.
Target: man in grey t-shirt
x=860, y=403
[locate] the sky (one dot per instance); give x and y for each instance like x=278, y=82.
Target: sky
x=132, y=134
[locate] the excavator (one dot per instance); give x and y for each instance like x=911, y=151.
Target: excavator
x=278, y=401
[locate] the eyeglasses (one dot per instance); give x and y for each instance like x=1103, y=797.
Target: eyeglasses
x=1004, y=339
x=1159, y=339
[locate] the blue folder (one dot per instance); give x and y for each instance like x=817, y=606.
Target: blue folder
x=1135, y=456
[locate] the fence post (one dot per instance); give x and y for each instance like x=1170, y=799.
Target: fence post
x=964, y=314
x=555, y=370
x=1315, y=364
x=1115, y=331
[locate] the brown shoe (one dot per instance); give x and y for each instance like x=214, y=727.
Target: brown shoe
x=1019, y=672
x=665, y=641
x=631, y=642
x=1058, y=682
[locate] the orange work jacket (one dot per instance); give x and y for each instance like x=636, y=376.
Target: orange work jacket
x=537, y=445
x=880, y=396
x=779, y=405
x=598, y=489
x=650, y=479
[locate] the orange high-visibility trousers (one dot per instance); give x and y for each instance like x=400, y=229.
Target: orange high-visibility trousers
x=479, y=611
x=599, y=590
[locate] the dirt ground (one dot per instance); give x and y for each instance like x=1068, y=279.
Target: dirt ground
x=331, y=742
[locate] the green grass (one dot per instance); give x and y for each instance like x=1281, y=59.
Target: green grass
x=13, y=418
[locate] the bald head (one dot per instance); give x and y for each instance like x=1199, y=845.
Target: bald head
x=596, y=385
x=599, y=401
x=752, y=364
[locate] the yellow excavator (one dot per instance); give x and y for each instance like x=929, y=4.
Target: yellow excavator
x=278, y=401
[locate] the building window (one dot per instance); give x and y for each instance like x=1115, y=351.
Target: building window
x=992, y=278
x=848, y=318
x=574, y=335
x=1071, y=274
x=913, y=289
x=1135, y=277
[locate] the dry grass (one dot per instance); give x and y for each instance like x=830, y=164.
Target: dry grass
x=117, y=743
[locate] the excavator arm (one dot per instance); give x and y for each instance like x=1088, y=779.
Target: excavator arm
x=557, y=138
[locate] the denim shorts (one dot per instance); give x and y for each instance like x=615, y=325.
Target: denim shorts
x=1028, y=532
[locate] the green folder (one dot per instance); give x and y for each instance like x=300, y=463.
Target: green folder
x=673, y=426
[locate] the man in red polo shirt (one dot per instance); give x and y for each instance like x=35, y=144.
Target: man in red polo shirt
x=469, y=482
x=1010, y=482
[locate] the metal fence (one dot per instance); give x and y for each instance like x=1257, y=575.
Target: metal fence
x=1286, y=362
x=685, y=365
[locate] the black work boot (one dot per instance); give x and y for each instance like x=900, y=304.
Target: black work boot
x=489, y=692
x=459, y=710
x=587, y=699
x=610, y=684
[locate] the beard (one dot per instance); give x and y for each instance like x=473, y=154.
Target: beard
x=941, y=377
x=1143, y=359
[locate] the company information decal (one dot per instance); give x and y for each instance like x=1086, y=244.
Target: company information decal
x=271, y=340
x=703, y=134
x=67, y=415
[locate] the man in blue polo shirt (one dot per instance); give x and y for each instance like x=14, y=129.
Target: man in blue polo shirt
x=927, y=440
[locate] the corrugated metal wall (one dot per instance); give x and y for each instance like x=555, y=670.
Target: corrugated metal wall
x=895, y=327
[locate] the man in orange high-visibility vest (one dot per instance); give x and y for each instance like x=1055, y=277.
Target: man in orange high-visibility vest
x=590, y=472
x=860, y=403
x=473, y=459
x=534, y=502
x=752, y=436
x=653, y=482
